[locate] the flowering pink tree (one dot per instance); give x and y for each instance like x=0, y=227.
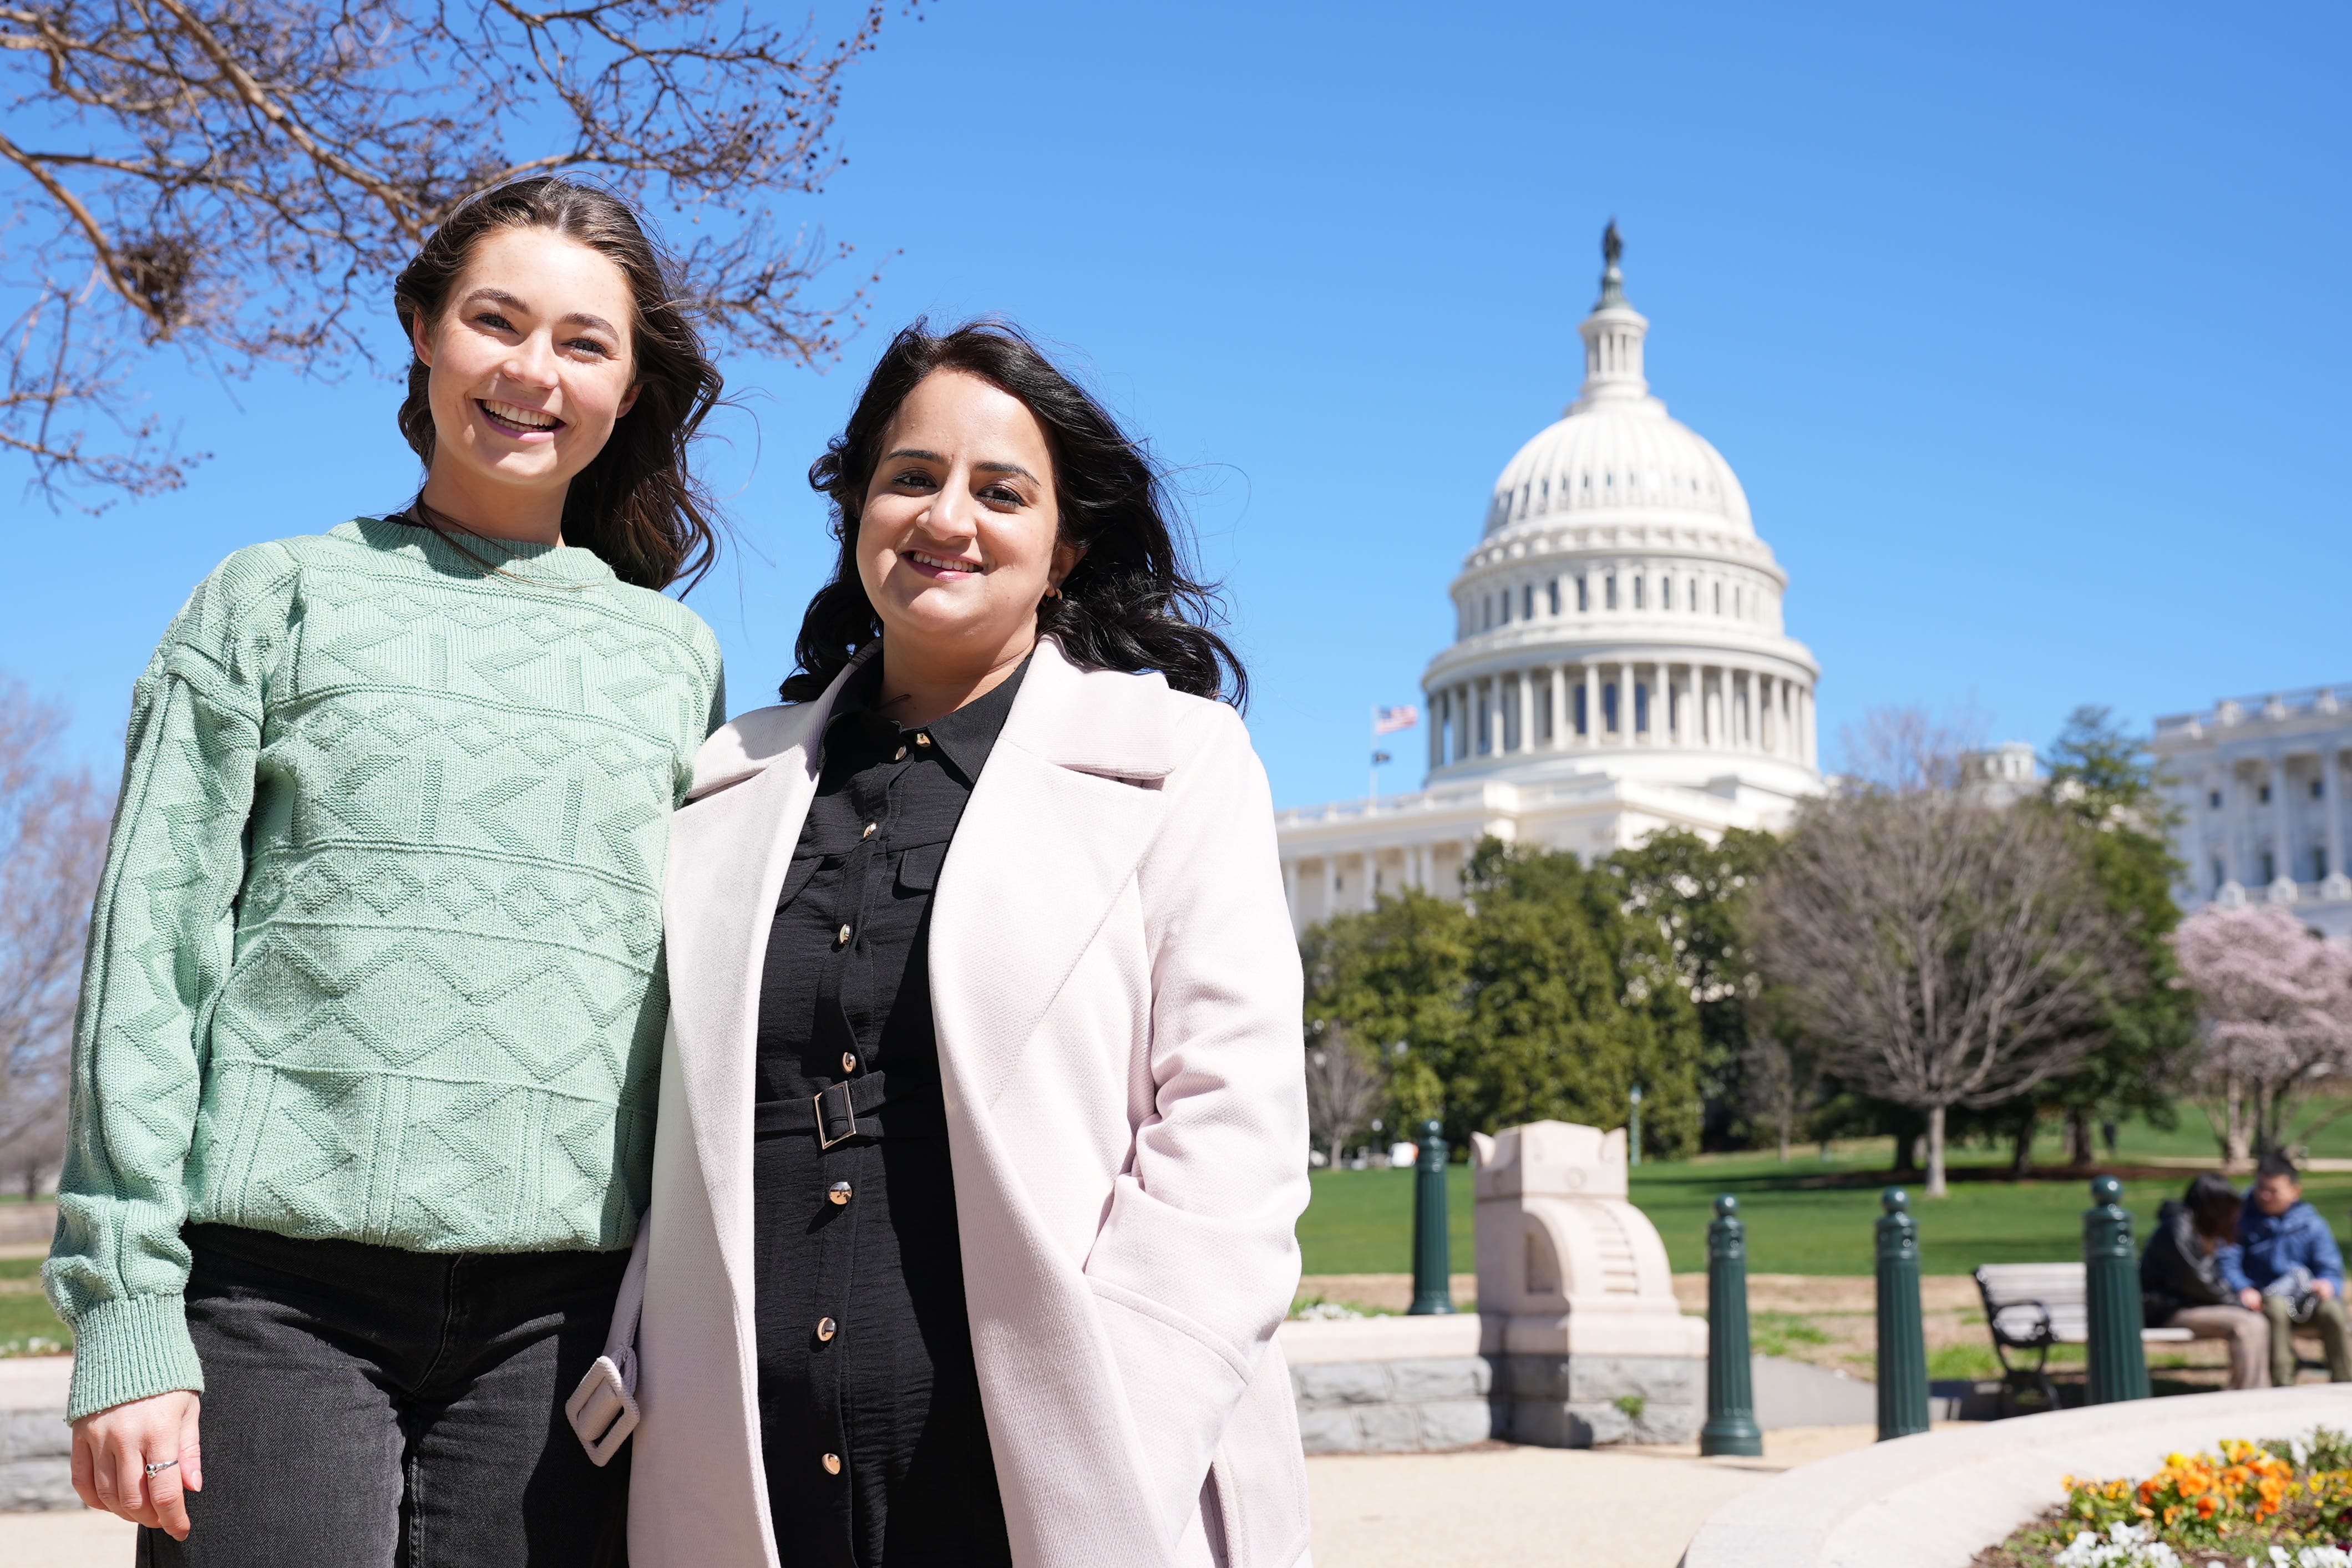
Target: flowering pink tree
x=2277, y=1003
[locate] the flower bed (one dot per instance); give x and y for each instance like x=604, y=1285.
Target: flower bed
x=2282, y=1504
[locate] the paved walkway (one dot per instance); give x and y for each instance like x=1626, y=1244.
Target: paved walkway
x=1608, y=1508
x=1599, y=1508
x=65, y=1540
x=1611, y=1508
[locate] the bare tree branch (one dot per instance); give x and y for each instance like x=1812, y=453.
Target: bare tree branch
x=1951, y=954
x=1343, y=1089
x=53, y=825
x=244, y=176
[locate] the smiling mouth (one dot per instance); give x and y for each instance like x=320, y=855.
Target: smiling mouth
x=511, y=419
x=941, y=564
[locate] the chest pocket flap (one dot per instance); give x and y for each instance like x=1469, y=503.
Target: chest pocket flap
x=918, y=868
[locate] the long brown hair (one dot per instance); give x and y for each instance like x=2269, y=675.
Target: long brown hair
x=637, y=505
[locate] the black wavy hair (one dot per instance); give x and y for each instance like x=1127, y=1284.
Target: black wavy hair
x=1131, y=603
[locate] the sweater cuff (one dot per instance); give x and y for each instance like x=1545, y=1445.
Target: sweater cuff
x=132, y=1348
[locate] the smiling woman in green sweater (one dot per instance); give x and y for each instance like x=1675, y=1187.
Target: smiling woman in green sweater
x=364, y=1072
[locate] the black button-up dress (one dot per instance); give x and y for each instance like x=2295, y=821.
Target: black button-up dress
x=870, y=1416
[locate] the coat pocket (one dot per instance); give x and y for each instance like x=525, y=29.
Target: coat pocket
x=1181, y=1383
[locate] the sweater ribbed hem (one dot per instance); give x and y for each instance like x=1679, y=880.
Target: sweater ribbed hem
x=133, y=1348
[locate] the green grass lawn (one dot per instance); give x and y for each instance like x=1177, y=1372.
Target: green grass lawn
x=1810, y=1215
x=27, y=1327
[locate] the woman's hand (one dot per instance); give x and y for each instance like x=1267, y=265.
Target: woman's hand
x=113, y=1447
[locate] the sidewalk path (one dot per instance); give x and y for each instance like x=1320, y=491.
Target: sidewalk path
x=1592, y=1508
x=68, y=1538
x=1606, y=1508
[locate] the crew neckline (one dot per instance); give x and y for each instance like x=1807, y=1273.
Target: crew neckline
x=512, y=558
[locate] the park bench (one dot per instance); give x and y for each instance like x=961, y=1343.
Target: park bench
x=2032, y=1306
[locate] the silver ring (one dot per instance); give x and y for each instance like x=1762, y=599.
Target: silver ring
x=154, y=1471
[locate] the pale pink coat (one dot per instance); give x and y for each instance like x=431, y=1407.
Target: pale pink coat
x=1116, y=993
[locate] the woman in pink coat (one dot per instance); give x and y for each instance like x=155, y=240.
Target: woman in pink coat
x=983, y=1129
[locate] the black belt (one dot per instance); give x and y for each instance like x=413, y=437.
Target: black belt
x=866, y=1107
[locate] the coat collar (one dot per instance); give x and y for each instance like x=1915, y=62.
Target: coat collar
x=1092, y=721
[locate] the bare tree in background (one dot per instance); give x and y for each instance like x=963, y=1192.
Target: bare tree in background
x=1902, y=749
x=52, y=825
x=241, y=179
x=1950, y=953
x=1781, y=1069
x=1343, y=1089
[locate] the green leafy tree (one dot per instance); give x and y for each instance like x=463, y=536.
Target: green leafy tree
x=2103, y=779
x=1394, y=979
x=1751, y=1068
x=1539, y=996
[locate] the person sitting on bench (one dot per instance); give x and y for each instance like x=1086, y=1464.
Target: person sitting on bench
x=2190, y=1278
x=2296, y=1273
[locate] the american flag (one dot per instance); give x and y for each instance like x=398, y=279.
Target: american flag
x=1388, y=720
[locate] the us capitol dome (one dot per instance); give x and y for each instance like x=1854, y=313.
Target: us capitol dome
x=1619, y=665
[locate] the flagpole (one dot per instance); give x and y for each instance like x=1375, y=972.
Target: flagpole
x=1374, y=797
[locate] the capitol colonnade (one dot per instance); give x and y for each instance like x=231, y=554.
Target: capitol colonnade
x=1682, y=703
x=1618, y=663
x=2257, y=786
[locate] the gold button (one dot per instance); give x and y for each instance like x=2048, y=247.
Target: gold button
x=869, y=829
x=839, y=1192
x=848, y=1061
x=825, y=1329
x=922, y=740
x=832, y=1463
x=844, y=935
x=902, y=756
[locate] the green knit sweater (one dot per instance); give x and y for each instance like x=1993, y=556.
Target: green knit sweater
x=376, y=954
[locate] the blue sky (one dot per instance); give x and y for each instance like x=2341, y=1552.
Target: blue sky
x=2024, y=326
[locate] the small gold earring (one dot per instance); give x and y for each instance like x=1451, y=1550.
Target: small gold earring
x=1053, y=593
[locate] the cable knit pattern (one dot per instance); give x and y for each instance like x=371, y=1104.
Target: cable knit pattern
x=377, y=951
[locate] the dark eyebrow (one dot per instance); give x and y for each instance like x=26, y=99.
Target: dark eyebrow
x=919, y=453
x=578, y=318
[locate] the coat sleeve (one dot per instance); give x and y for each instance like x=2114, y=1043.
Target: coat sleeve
x=161, y=940
x=1200, y=1247
x=2231, y=1259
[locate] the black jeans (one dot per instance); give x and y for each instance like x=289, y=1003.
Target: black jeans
x=367, y=1408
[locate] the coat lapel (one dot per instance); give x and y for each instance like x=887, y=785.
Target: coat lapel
x=729, y=854
x=1061, y=814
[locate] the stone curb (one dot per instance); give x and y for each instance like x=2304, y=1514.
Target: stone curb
x=1935, y=1501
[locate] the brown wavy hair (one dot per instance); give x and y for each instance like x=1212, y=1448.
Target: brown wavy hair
x=1131, y=603
x=637, y=505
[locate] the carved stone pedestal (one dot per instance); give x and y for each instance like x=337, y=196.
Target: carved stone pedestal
x=1576, y=1303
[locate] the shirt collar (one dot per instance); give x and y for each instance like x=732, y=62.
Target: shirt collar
x=963, y=738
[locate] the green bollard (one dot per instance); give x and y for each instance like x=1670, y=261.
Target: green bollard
x=2117, y=1357
x=1901, y=1341
x=1432, y=1263
x=1730, y=1394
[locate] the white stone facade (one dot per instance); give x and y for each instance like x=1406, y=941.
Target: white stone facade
x=1619, y=665
x=2257, y=786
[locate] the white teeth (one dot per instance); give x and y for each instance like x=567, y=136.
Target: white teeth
x=962, y=566
x=523, y=416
